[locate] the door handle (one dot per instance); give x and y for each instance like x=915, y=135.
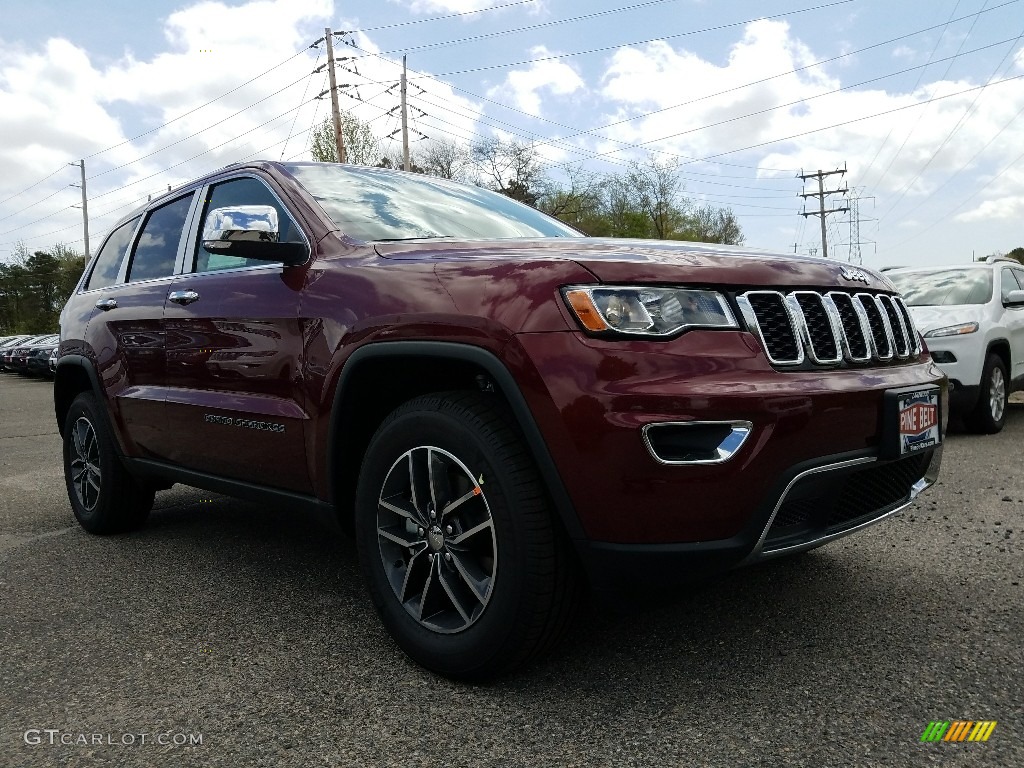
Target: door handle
x=106, y=304
x=183, y=297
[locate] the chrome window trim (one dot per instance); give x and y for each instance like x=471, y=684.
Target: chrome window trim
x=742, y=428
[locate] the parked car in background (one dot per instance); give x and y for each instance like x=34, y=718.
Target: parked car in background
x=37, y=361
x=8, y=343
x=499, y=407
x=8, y=350
x=52, y=362
x=972, y=319
x=15, y=359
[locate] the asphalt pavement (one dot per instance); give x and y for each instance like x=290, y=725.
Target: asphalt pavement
x=231, y=634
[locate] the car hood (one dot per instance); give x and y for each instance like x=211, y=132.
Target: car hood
x=650, y=261
x=929, y=318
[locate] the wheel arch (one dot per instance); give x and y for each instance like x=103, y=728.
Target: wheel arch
x=368, y=390
x=74, y=375
x=1001, y=347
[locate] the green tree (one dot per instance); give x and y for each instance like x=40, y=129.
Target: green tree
x=1017, y=254
x=362, y=147
x=35, y=286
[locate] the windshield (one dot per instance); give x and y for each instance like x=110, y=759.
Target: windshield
x=380, y=204
x=944, y=288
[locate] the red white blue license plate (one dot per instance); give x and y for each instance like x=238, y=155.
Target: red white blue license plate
x=918, y=414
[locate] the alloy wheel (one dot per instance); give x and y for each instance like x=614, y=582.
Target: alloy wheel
x=437, y=539
x=85, y=463
x=997, y=394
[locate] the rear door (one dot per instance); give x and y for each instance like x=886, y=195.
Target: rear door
x=126, y=332
x=234, y=348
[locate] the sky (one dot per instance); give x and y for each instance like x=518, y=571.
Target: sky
x=920, y=101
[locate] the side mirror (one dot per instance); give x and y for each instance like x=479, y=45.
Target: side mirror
x=250, y=232
x=1014, y=299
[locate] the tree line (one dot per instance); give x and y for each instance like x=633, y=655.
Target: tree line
x=645, y=200
x=34, y=287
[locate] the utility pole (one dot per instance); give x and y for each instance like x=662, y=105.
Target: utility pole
x=403, y=108
x=405, y=122
x=339, y=141
x=85, y=208
x=820, y=194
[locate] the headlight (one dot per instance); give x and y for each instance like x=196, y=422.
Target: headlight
x=648, y=311
x=952, y=330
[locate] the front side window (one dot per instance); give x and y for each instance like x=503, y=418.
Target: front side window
x=245, y=191
x=108, y=260
x=1008, y=283
x=944, y=288
x=157, y=249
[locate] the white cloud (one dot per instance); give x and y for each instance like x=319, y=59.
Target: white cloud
x=525, y=85
x=58, y=104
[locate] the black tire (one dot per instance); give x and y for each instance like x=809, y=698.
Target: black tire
x=471, y=466
x=104, y=497
x=989, y=415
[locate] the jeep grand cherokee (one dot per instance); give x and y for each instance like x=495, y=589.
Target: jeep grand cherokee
x=501, y=409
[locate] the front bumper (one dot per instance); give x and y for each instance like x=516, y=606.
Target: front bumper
x=810, y=430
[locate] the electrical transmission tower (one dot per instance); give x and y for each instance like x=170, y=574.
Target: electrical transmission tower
x=855, y=220
x=820, y=194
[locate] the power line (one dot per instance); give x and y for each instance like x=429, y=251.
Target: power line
x=201, y=106
x=32, y=186
x=964, y=118
x=531, y=27
x=920, y=115
x=560, y=142
x=555, y=57
x=440, y=18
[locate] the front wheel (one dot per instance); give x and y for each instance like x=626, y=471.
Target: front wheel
x=104, y=497
x=989, y=414
x=464, y=562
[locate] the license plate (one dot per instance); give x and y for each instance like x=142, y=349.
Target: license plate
x=918, y=420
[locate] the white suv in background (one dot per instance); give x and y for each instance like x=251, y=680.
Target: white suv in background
x=972, y=319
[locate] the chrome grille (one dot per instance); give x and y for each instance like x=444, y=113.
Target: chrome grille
x=830, y=328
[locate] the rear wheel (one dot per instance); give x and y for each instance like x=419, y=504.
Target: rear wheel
x=464, y=562
x=104, y=497
x=989, y=414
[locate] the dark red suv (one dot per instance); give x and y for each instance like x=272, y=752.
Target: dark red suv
x=502, y=410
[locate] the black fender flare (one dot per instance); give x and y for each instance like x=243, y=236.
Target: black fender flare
x=502, y=379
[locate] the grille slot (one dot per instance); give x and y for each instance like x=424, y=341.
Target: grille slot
x=775, y=326
x=823, y=343
x=830, y=328
x=880, y=335
x=857, y=345
x=896, y=323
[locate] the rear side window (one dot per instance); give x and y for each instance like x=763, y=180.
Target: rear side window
x=157, y=249
x=108, y=260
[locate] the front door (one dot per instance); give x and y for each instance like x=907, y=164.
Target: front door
x=233, y=352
